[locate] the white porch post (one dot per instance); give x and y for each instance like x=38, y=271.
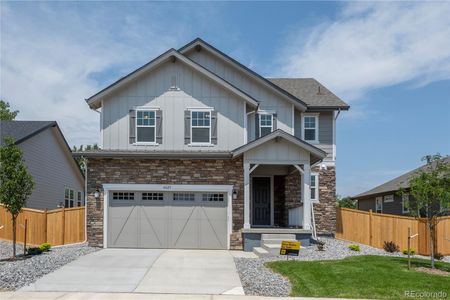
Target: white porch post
x=246, y=195
x=306, y=196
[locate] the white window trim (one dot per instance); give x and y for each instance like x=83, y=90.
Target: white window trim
x=316, y=186
x=316, y=116
x=405, y=210
x=379, y=198
x=265, y=126
x=136, y=125
x=387, y=201
x=203, y=109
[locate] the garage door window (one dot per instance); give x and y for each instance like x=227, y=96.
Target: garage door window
x=212, y=197
x=123, y=196
x=152, y=196
x=183, y=197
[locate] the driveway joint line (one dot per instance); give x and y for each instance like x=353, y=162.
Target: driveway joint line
x=149, y=269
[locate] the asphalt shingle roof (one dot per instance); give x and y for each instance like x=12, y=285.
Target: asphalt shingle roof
x=22, y=130
x=401, y=181
x=312, y=92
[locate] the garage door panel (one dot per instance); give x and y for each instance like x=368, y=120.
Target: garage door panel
x=153, y=227
x=184, y=227
x=123, y=226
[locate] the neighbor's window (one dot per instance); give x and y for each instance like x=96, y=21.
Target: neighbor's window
x=69, y=196
x=310, y=128
x=145, y=126
x=79, y=199
x=389, y=198
x=405, y=203
x=315, y=187
x=379, y=204
x=201, y=127
x=265, y=124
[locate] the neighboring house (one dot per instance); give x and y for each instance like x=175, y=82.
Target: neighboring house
x=386, y=198
x=57, y=177
x=198, y=151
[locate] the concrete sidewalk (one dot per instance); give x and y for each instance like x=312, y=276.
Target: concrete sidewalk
x=137, y=296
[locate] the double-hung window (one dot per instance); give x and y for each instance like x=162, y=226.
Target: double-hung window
x=405, y=203
x=145, y=126
x=314, y=187
x=69, y=196
x=310, y=128
x=265, y=124
x=379, y=204
x=79, y=199
x=200, y=127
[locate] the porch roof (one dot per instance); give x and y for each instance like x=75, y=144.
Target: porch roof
x=315, y=153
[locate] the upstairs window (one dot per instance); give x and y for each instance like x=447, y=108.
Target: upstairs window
x=310, y=128
x=201, y=127
x=265, y=124
x=145, y=126
x=314, y=187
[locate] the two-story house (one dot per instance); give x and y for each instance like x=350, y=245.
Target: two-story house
x=198, y=151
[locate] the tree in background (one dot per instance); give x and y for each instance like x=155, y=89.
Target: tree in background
x=81, y=160
x=5, y=113
x=430, y=191
x=16, y=183
x=345, y=202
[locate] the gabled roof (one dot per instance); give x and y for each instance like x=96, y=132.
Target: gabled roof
x=172, y=54
x=198, y=42
x=318, y=154
x=312, y=92
x=395, y=184
x=23, y=130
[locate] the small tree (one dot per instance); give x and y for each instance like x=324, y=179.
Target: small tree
x=430, y=191
x=16, y=183
x=345, y=202
x=5, y=113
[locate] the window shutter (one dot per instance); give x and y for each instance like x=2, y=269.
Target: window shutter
x=214, y=127
x=256, y=126
x=132, y=117
x=187, y=127
x=274, y=118
x=158, y=115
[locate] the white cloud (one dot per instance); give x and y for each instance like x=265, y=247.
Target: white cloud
x=53, y=55
x=373, y=45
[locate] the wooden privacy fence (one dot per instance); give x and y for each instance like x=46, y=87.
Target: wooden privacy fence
x=57, y=227
x=374, y=229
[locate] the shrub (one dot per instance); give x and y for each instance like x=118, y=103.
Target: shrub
x=391, y=247
x=354, y=247
x=438, y=256
x=34, y=251
x=411, y=252
x=320, y=245
x=45, y=247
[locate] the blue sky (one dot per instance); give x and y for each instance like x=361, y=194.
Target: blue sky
x=389, y=61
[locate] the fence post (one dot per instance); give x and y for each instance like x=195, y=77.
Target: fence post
x=45, y=226
x=25, y=238
x=63, y=224
x=370, y=228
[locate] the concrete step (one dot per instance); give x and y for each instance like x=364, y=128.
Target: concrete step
x=277, y=236
x=272, y=248
x=261, y=252
x=276, y=241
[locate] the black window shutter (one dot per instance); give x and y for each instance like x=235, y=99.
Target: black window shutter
x=187, y=127
x=256, y=125
x=132, y=117
x=159, y=126
x=214, y=127
x=274, y=118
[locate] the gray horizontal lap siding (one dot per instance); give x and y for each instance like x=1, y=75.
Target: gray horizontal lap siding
x=394, y=208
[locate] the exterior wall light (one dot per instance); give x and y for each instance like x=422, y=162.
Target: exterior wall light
x=235, y=194
x=96, y=194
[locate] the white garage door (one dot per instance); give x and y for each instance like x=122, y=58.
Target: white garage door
x=185, y=220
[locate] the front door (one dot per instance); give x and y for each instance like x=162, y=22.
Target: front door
x=261, y=201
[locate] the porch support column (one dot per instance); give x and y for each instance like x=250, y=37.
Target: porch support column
x=306, y=196
x=246, y=195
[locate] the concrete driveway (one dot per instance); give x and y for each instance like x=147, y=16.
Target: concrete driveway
x=146, y=271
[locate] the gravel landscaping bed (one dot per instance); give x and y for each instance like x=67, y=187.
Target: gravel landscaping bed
x=261, y=281
x=24, y=271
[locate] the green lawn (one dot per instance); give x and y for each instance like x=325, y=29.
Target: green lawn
x=361, y=277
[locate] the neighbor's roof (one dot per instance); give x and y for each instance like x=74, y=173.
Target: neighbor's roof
x=312, y=92
x=395, y=184
x=22, y=130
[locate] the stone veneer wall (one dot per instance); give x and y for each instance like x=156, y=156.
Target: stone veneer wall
x=325, y=210
x=155, y=171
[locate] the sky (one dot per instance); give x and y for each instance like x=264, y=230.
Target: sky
x=389, y=61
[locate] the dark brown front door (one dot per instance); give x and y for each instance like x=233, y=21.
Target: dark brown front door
x=261, y=201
